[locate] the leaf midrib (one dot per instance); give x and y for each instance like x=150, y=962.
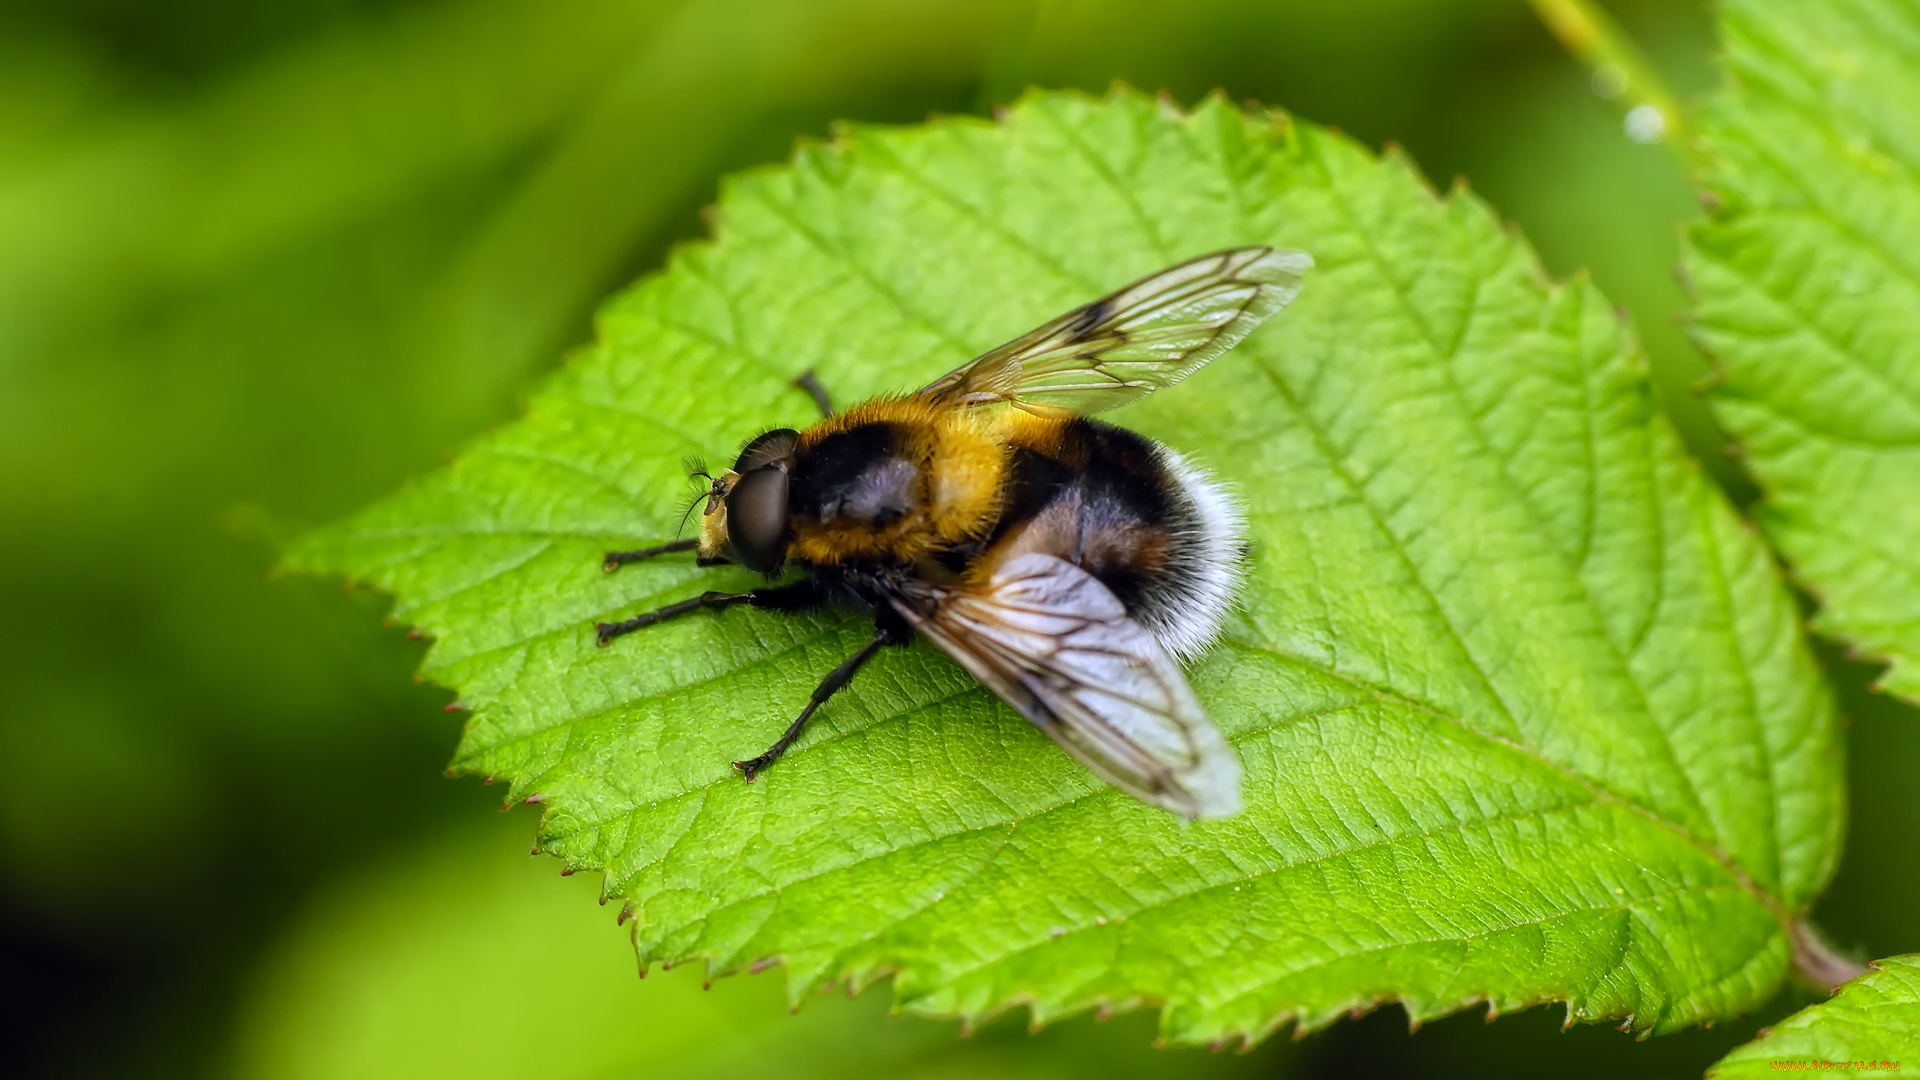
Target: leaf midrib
x=1597, y=793
x=1600, y=791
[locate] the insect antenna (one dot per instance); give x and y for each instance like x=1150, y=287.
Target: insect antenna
x=696, y=466
x=694, y=498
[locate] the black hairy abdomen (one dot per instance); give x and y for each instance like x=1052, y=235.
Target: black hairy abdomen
x=1103, y=499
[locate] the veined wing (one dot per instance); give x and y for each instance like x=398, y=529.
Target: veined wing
x=1122, y=347
x=1058, y=646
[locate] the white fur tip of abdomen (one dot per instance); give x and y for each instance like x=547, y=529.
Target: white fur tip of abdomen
x=1207, y=574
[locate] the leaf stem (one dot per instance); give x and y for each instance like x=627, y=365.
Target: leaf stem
x=1620, y=72
x=1818, y=962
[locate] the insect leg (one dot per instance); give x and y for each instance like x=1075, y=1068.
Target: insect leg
x=811, y=385
x=793, y=596
x=835, y=679
x=616, y=558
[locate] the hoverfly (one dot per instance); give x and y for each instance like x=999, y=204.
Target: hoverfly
x=1066, y=563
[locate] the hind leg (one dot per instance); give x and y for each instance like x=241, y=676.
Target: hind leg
x=812, y=386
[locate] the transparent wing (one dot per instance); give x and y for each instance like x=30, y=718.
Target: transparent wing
x=1053, y=642
x=1122, y=347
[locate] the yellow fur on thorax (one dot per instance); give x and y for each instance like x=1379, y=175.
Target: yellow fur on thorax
x=962, y=458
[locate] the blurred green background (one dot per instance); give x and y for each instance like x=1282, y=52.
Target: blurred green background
x=259, y=263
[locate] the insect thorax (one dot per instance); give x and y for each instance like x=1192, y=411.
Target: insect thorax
x=894, y=480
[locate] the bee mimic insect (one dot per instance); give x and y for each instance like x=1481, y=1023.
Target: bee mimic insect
x=1067, y=564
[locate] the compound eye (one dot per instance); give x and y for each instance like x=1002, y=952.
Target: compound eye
x=766, y=449
x=757, y=519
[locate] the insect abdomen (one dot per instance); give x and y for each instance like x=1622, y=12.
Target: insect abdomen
x=1160, y=533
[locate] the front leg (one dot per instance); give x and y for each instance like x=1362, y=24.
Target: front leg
x=615, y=559
x=795, y=596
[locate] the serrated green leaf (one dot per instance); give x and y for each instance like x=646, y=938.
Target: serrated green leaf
x=1523, y=707
x=1807, y=276
x=1872, y=1025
